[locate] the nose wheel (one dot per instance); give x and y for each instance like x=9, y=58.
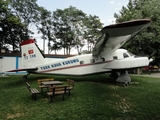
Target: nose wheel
x=125, y=84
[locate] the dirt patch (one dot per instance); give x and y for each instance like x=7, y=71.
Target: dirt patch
x=114, y=87
x=12, y=116
x=124, y=105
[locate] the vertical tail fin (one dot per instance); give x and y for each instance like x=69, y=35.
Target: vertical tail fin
x=31, y=54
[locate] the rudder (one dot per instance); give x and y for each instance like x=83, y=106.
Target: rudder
x=31, y=54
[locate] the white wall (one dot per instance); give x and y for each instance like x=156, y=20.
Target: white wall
x=10, y=63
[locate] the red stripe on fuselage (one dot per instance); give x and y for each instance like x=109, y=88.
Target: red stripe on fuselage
x=76, y=66
x=27, y=42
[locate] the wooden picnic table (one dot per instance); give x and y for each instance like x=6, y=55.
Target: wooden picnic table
x=52, y=83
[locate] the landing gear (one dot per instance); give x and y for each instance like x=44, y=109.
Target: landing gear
x=125, y=84
x=25, y=77
x=121, y=77
x=114, y=75
x=124, y=78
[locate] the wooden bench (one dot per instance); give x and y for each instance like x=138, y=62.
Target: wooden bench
x=33, y=91
x=43, y=80
x=56, y=90
x=71, y=84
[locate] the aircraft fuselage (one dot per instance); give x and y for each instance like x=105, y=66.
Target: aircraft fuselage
x=87, y=64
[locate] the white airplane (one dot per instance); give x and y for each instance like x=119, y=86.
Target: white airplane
x=106, y=55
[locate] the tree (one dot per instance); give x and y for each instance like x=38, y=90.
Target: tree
x=3, y=13
x=148, y=41
x=11, y=27
x=93, y=26
x=28, y=13
x=17, y=21
x=45, y=27
x=12, y=31
x=66, y=27
x=72, y=27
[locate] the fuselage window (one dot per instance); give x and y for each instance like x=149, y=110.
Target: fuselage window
x=125, y=55
x=103, y=59
x=81, y=62
x=92, y=60
x=115, y=57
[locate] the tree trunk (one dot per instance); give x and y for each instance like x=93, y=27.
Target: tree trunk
x=44, y=45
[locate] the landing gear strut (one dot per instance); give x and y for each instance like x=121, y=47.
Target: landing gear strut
x=114, y=75
x=25, y=77
x=121, y=77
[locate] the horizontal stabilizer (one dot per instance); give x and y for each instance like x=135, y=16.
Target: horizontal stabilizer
x=26, y=69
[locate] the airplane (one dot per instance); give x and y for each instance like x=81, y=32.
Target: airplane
x=106, y=57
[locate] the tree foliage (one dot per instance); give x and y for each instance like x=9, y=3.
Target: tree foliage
x=67, y=29
x=148, y=41
x=28, y=13
x=93, y=26
x=45, y=26
x=16, y=16
x=72, y=27
x=65, y=25
x=10, y=27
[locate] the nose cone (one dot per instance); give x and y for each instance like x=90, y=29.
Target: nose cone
x=150, y=60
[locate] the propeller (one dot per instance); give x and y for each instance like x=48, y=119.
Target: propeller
x=150, y=56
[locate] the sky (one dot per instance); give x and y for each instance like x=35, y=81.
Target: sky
x=104, y=9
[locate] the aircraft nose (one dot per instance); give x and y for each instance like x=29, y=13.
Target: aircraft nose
x=150, y=60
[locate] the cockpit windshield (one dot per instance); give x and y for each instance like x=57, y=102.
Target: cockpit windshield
x=131, y=54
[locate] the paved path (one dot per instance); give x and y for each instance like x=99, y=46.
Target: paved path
x=157, y=75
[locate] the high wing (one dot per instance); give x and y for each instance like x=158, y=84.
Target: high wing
x=114, y=36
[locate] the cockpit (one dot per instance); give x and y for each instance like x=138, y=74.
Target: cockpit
x=127, y=54
x=122, y=53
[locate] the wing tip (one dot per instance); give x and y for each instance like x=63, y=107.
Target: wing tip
x=128, y=23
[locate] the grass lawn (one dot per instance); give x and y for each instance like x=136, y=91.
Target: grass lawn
x=94, y=98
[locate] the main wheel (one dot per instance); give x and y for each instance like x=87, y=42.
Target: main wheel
x=126, y=84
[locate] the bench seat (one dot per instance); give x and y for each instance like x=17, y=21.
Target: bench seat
x=71, y=84
x=33, y=91
x=56, y=90
x=43, y=80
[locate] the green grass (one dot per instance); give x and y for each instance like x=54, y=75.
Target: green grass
x=94, y=98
